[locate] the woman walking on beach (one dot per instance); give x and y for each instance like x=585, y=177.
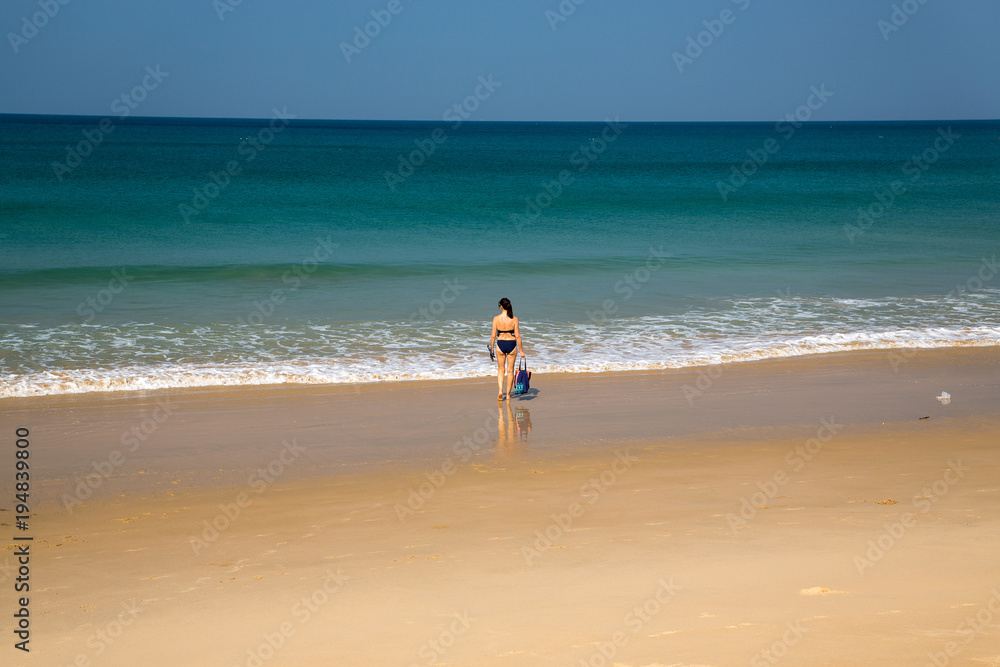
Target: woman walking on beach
x=507, y=334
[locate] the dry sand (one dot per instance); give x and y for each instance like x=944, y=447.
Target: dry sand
x=795, y=512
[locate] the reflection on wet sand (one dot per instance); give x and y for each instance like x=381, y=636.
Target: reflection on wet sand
x=512, y=428
x=522, y=422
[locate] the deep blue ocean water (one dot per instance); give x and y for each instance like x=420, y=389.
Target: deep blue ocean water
x=184, y=252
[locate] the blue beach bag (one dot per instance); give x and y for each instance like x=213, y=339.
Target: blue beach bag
x=522, y=378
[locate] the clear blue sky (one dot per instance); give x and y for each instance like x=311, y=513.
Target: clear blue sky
x=608, y=58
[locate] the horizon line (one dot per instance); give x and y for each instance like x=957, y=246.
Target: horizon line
x=246, y=119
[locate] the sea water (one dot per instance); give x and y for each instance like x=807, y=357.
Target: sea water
x=169, y=253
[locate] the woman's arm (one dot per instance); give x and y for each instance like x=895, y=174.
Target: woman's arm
x=493, y=333
x=517, y=335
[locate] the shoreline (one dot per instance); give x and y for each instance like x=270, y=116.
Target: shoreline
x=892, y=357
x=222, y=383
x=219, y=436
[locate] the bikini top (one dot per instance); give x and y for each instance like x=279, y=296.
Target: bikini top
x=500, y=332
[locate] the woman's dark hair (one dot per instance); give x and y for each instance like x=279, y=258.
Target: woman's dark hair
x=505, y=304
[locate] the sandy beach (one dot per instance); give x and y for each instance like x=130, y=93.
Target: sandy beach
x=813, y=511
x=258, y=262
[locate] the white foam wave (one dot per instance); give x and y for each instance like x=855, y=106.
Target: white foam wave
x=632, y=352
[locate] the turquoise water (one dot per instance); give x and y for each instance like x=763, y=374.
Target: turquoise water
x=180, y=253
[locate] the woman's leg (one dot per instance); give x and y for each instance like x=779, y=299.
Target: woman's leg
x=511, y=360
x=501, y=357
